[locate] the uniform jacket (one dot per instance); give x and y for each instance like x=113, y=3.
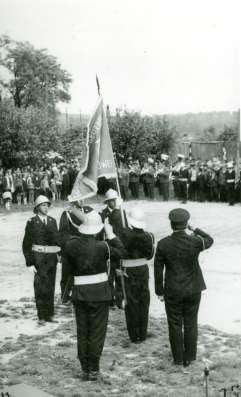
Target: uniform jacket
x=178, y=254
x=88, y=256
x=138, y=244
x=36, y=232
x=67, y=228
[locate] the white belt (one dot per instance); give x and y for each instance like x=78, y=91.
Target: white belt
x=182, y=179
x=90, y=279
x=134, y=262
x=46, y=249
x=230, y=180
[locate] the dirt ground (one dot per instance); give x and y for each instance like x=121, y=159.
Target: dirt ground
x=46, y=356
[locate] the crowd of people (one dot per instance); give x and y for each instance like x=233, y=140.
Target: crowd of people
x=184, y=179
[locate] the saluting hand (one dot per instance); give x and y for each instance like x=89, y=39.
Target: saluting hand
x=161, y=298
x=108, y=230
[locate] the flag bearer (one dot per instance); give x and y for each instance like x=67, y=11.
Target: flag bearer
x=40, y=247
x=88, y=259
x=70, y=221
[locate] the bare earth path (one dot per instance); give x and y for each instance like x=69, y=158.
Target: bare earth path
x=46, y=356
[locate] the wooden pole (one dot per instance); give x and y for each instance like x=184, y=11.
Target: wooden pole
x=238, y=150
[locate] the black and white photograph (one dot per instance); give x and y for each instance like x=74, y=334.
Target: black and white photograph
x=120, y=198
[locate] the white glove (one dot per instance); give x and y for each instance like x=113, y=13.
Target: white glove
x=119, y=202
x=161, y=298
x=32, y=270
x=108, y=230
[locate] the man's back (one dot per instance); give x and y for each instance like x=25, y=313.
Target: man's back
x=179, y=254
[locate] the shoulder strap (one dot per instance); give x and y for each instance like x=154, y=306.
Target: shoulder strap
x=203, y=241
x=71, y=221
x=108, y=260
x=153, y=243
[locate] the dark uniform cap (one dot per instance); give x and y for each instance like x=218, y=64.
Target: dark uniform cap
x=179, y=215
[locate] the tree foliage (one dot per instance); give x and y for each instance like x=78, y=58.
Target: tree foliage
x=26, y=134
x=34, y=78
x=137, y=136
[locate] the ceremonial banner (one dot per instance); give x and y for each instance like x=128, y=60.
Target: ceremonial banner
x=99, y=160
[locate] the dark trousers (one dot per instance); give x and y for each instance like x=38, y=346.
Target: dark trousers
x=91, y=321
x=44, y=284
x=138, y=301
x=193, y=190
x=182, y=190
x=176, y=189
x=150, y=190
x=231, y=193
x=163, y=188
x=134, y=188
x=182, y=315
x=124, y=192
x=66, y=282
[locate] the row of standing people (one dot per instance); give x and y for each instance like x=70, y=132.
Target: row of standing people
x=196, y=181
x=22, y=186
x=95, y=248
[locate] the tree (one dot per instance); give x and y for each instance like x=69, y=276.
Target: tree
x=26, y=135
x=137, y=136
x=229, y=133
x=35, y=78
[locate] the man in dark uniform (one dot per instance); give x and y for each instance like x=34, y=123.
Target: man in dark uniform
x=183, y=183
x=178, y=255
x=40, y=246
x=230, y=183
x=112, y=214
x=69, y=226
x=134, y=179
x=139, y=246
x=88, y=261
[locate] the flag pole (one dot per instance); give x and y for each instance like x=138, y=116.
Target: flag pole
x=119, y=193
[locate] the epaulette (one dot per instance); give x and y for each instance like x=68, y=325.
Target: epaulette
x=31, y=219
x=52, y=219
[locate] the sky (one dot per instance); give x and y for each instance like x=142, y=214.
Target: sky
x=154, y=56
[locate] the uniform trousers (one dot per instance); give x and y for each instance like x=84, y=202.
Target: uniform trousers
x=91, y=321
x=138, y=302
x=182, y=190
x=66, y=280
x=134, y=188
x=44, y=284
x=182, y=315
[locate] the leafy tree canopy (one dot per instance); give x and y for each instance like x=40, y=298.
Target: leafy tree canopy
x=35, y=78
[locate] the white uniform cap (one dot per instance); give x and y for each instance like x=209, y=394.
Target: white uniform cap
x=41, y=200
x=111, y=194
x=92, y=223
x=136, y=218
x=164, y=156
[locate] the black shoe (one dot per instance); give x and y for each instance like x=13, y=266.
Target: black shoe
x=187, y=363
x=94, y=375
x=177, y=362
x=50, y=320
x=84, y=375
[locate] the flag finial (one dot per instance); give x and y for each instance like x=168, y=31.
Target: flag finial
x=98, y=84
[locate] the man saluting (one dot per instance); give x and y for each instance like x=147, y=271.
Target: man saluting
x=178, y=255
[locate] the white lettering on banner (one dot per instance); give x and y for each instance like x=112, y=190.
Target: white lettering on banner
x=105, y=164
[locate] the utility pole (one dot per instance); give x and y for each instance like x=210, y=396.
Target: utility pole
x=238, y=149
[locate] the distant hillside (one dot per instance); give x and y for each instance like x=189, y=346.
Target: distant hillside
x=188, y=125
x=193, y=125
